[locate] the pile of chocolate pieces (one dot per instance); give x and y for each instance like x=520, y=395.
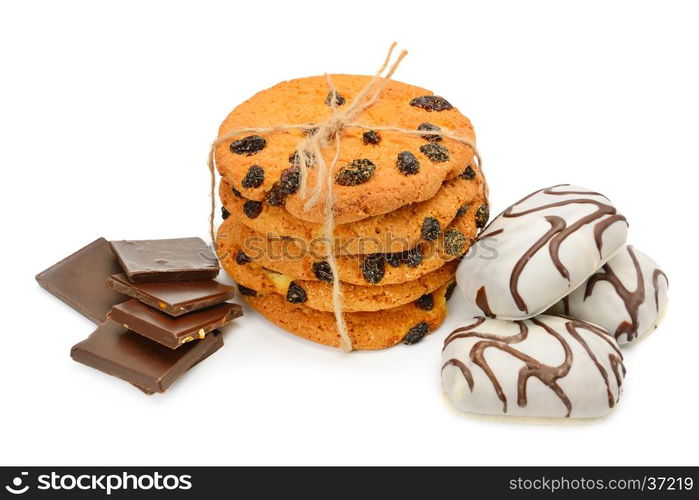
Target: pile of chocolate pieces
x=169, y=324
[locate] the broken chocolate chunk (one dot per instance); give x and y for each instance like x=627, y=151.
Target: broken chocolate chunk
x=79, y=280
x=175, y=259
x=169, y=331
x=174, y=297
x=150, y=366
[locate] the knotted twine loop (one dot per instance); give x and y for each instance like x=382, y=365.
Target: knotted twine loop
x=310, y=151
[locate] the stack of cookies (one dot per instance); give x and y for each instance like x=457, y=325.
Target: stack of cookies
x=406, y=207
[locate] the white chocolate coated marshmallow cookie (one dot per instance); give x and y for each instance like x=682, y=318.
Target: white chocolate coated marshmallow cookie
x=627, y=296
x=548, y=366
x=538, y=250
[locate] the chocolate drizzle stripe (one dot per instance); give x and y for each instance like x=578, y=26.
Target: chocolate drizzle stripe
x=656, y=274
x=456, y=333
x=566, y=305
x=616, y=359
x=632, y=299
x=564, y=193
x=600, y=332
x=602, y=226
x=604, y=335
x=602, y=208
x=490, y=235
x=573, y=332
x=557, y=225
x=478, y=358
x=464, y=371
x=465, y=332
x=548, y=190
x=547, y=374
x=530, y=195
x=482, y=302
x=616, y=363
x=558, y=233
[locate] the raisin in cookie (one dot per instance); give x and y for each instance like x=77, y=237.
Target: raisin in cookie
x=376, y=172
x=296, y=258
x=282, y=256
x=392, y=232
x=368, y=330
x=318, y=294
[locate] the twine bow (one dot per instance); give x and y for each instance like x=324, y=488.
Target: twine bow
x=323, y=135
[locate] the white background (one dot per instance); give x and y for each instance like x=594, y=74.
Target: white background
x=106, y=114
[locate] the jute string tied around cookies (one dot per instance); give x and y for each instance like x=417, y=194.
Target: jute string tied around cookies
x=310, y=152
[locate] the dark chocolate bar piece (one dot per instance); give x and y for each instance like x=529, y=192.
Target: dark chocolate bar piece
x=148, y=365
x=174, y=297
x=79, y=280
x=169, y=331
x=212, y=349
x=178, y=259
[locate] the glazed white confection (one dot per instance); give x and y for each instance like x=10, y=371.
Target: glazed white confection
x=539, y=250
x=548, y=366
x=627, y=296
